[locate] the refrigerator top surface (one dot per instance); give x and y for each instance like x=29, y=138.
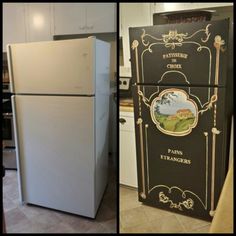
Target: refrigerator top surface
x=54, y=67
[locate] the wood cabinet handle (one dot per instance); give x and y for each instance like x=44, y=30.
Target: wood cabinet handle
x=122, y=121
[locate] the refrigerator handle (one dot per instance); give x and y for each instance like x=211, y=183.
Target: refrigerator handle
x=17, y=146
x=9, y=61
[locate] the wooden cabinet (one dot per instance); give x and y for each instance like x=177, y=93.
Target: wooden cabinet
x=14, y=30
x=128, y=166
x=101, y=17
x=32, y=22
x=69, y=18
x=39, y=23
x=76, y=18
x=132, y=15
x=26, y=22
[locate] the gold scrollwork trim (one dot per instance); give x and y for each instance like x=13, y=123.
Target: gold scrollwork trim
x=173, y=38
x=215, y=132
x=183, y=192
x=140, y=123
x=209, y=104
x=206, y=31
x=207, y=157
x=135, y=44
x=173, y=35
x=219, y=42
x=143, y=195
x=135, y=47
x=144, y=99
x=218, y=45
x=147, y=157
x=180, y=40
x=145, y=35
x=188, y=203
x=200, y=47
x=186, y=80
x=205, y=106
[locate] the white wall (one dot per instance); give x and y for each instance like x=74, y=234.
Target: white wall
x=168, y=7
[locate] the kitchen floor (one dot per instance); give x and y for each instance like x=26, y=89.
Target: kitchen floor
x=138, y=218
x=33, y=219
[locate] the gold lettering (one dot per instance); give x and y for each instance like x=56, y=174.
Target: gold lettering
x=175, y=55
x=173, y=151
x=174, y=66
x=175, y=159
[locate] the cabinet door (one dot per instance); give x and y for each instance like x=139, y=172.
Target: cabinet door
x=101, y=17
x=38, y=22
x=69, y=18
x=133, y=15
x=13, y=24
x=128, y=166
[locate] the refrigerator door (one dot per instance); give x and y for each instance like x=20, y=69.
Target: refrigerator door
x=55, y=151
x=57, y=67
x=181, y=140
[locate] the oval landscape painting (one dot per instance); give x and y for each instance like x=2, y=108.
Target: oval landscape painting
x=174, y=113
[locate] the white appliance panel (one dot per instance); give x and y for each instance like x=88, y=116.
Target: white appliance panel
x=54, y=67
x=56, y=147
x=101, y=117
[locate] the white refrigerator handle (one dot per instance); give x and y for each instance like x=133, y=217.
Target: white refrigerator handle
x=17, y=148
x=9, y=61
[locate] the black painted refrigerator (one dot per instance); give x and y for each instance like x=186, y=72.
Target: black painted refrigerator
x=182, y=105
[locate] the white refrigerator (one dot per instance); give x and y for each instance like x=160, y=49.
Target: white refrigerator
x=60, y=109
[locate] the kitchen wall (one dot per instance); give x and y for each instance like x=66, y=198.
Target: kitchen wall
x=169, y=7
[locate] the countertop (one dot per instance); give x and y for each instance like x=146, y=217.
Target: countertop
x=126, y=104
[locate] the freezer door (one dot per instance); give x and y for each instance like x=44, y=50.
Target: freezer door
x=55, y=151
x=181, y=142
x=56, y=67
x=181, y=54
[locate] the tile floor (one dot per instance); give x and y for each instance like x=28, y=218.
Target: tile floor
x=32, y=219
x=138, y=218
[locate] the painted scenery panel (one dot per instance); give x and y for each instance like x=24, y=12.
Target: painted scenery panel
x=174, y=113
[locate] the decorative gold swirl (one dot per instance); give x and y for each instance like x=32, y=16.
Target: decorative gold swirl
x=188, y=203
x=135, y=44
x=173, y=38
x=145, y=100
x=209, y=104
